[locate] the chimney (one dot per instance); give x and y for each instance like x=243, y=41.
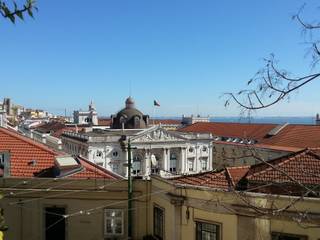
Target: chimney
x=317, y=119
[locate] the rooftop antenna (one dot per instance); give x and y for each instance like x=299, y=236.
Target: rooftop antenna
x=130, y=88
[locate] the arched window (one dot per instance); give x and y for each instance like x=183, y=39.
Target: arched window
x=136, y=121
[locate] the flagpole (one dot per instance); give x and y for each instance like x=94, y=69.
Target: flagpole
x=154, y=110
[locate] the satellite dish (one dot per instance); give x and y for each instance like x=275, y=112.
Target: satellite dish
x=154, y=161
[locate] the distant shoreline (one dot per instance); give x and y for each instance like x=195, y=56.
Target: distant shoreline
x=273, y=120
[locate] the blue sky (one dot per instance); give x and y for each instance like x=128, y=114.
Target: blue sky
x=184, y=53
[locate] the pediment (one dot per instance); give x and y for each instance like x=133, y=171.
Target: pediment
x=158, y=135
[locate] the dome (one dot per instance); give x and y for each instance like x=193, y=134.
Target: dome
x=130, y=101
x=130, y=117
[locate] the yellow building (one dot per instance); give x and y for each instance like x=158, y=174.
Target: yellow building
x=197, y=212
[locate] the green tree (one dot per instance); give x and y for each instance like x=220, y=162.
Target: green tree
x=11, y=10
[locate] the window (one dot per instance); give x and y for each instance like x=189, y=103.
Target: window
x=136, y=165
x=113, y=222
x=285, y=236
x=115, y=167
x=115, y=154
x=99, y=154
x=158, y=222
x=204, y=149
x=207, y=231
x=204, y=164
x=191, y=149
x=173, y=162
x=190, y=164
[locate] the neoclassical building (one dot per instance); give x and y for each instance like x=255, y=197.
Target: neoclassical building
x=155, y=150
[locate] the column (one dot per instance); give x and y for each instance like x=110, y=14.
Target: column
x=147, y=165
x=168, y=160
x=164, y=160
x=182, y=160
x=210, y=158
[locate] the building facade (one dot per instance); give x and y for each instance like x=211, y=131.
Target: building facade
x=156, y=150
x=86, y=117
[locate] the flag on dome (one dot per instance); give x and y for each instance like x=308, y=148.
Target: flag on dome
x=156, y=103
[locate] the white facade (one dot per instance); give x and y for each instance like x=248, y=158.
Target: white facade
x=3, y=119
x=194, y=119
x=155, y=151
x=86, y=117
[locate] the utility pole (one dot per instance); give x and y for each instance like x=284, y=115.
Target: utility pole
x=129, y=191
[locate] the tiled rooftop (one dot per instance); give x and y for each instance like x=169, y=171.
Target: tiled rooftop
x=28, y=158
x=290, y=136
x=207, y=179
x=303, y=167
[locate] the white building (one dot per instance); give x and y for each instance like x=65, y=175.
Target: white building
x=86, y=117
x=3, y=118
x=194, y=119
x=155, y=150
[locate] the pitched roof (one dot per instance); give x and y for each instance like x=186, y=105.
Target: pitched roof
x=93, y=171
x=236, y=130
x=52, y=126
x=29, y=158
x=207, y=179
x=235, y=174
x=303, y=167
x=291, y=135
x=23, y=151
x=165, y=121
x=296, y=136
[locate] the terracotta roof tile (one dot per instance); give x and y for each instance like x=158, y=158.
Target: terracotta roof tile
x=165, y=121
x=291, y=136
x=235, y=130
x=237, y=173
x=52, y=126
x=24, y=152
x=104, y=121
x=207, y=179
x=303, y=166
x=93, y=171
x=296, y=136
